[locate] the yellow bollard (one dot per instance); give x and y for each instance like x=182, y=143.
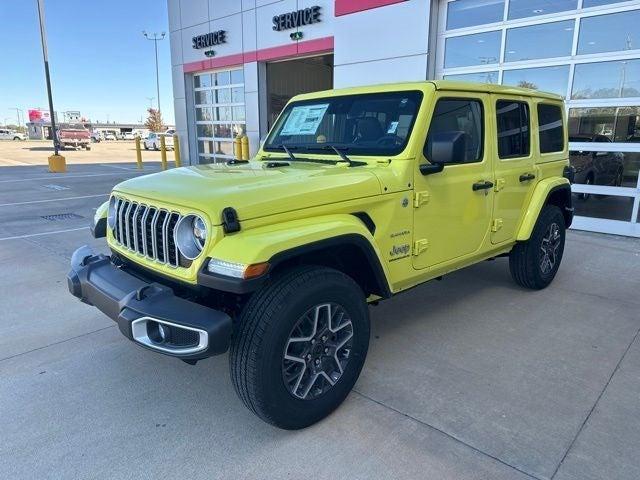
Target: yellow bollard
x=237, y=147
x=163, y=153
x=138, y=153
x=244, y=141
x=176, y=151
x=57, y=164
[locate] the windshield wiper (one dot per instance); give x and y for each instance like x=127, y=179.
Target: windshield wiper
x=296, y=159
x=291, y=156
x=340, y=152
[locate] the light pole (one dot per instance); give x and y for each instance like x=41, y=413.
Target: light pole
x=156, y=38
x=45, y=55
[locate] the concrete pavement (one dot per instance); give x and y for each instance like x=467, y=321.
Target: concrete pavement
x=468, y=378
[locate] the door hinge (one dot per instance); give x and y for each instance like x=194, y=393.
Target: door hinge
x=500, y=183
x=420, y=246
x=496, y=224
x=420, y=198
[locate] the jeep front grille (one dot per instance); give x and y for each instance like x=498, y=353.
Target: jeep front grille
x=146, y=230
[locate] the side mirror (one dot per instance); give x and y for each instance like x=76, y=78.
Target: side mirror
x=443, y=148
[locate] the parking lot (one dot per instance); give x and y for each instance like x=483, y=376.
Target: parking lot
x=35, y=152
x=467, y=378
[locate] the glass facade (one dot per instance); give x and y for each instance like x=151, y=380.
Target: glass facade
x=219, y=113
x=587, y=51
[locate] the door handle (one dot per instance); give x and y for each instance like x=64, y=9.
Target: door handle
x=526, y=177
x=483, y=185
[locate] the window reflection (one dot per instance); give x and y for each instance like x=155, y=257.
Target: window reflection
x=480, y=77
x=597, y=168
x=478, y=49
x=609, y=33
x=468, y=13
x=202, y=81
x=618, y=124
x=597, y=3
x=546, y=79
x=532, y=8
x=607, y=80
x=539, y=41
x=607, y=207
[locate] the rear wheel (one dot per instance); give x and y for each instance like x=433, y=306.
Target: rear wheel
x=300, y=345
x=588, y=181
x=534, y=263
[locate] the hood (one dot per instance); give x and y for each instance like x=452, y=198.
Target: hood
x=252, y=189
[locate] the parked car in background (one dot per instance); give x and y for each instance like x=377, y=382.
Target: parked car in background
x=74, y=136
x=96, y=137
x=170, y=131
x=109, y=136
x=596, y=168
x=6, y=134
x=128, y=136
x=152, y=142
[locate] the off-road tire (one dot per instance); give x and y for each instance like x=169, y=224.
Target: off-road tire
x=263, y=333
x=526, y=257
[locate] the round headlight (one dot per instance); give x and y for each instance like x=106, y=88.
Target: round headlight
x=190, y=236
x=111, y=213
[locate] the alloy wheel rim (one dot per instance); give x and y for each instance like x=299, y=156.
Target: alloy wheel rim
x=549, y=248
x=317, y=351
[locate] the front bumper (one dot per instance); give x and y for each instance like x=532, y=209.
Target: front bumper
x=148, y=313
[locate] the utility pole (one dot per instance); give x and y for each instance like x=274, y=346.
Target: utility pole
x=18, y=111
x=45, y=55
x=151, y=99
x=156, y=38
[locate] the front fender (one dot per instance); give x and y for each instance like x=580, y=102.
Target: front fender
x=538, y=200
x=263, y=243
x=276, y=242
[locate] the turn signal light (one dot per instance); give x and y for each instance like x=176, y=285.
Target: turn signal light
x=237, y=270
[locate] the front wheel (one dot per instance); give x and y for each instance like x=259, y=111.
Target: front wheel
x=300, y=345
x=534, y=263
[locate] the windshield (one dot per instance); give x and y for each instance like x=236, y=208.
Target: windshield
x=364, y=124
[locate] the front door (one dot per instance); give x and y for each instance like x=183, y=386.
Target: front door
x=452, y=208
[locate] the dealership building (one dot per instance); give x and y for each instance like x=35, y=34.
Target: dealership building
x=236, y=63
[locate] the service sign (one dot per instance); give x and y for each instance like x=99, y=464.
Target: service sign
x=299, y=18
x=209, y=40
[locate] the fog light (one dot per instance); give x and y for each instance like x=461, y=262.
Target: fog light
x=236, y=270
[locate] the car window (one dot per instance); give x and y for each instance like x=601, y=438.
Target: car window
x=551, y=128
x=513, y=129
x=462, y=116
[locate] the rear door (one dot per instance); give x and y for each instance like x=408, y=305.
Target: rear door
x=515, y=174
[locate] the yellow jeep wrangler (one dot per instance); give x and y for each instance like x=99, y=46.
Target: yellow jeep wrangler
x=355, y=196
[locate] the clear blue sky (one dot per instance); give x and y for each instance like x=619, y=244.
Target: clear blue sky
x=100, y=63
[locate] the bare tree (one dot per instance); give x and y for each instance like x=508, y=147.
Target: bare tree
x=525, y=84
x=154, y=120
